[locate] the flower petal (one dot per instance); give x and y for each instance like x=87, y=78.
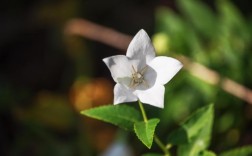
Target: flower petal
x=141, y=48
x=166, y=68
x=153, y=96
x=122, y=94
x=119, y=66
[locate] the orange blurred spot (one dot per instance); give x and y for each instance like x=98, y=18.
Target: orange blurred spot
x=93, y=93
x=90, y=94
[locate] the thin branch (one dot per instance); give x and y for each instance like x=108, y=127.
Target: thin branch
x=98, y=33
x=212, y=77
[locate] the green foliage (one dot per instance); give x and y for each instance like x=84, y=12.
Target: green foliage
x=207, y=153
x=194, y=134
x=243, y=151
x=127, y=118
x=192, y=126
x=218, y=38
x=231, y=20
x=145, y=131
x=199, y=15
x=152, y=154
x=170, y=23
x=121, y=115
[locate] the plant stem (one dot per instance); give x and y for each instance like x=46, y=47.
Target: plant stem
x=161, y=145
x=143, y=111
x=156, y=139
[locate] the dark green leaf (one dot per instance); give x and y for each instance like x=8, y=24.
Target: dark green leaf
x=179, y=136
x=121, y=115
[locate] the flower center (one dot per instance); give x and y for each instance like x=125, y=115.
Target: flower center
x=138, y=77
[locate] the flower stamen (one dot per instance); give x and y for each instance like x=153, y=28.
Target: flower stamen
x=138, y=78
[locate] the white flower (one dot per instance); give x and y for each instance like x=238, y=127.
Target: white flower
x=140, y=75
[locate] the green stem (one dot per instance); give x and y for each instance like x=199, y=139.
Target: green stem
x=161, y=145
x=156, y=139
x=143, y=111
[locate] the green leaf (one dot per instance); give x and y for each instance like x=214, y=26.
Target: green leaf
x=199, y=128
x=120, y=115
x=191, y=127
x=145, y=131
x=195, y=146
x=207, y=153
x=194, y=134
x=243, y=151
x=152, y=154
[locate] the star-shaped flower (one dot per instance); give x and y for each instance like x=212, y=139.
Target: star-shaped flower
x=140, y=75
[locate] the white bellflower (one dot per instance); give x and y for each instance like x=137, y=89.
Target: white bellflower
x=140, y=75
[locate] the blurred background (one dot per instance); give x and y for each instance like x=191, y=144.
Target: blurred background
x=51, y=68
